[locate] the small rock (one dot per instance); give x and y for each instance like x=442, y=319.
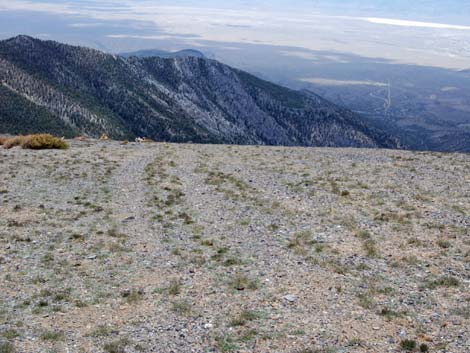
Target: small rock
x=290, y=298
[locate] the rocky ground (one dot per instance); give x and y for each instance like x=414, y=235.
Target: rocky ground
x=191, y=248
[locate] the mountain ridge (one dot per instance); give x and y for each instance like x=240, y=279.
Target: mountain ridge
x=180, y=99
x=164, y=54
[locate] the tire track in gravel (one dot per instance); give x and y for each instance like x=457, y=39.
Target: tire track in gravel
x=265, y=256
x=129, y=191
x=154, y=265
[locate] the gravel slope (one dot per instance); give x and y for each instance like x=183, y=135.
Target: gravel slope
x=203, y=248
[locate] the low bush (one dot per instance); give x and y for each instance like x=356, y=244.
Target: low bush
x=35, y=142
x=44, y=141
x=13, y=142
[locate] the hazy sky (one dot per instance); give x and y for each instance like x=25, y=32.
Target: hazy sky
x=419, y=32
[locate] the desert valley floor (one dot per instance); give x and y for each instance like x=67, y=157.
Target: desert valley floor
x=161, y=247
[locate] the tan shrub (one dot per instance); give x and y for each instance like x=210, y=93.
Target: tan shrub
x=13, y=142
x=44, y=141
x=36, y=142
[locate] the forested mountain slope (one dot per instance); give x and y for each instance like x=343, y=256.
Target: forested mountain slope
x=49, y=86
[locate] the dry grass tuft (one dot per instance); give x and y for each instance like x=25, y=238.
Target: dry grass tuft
x=13, y=142
x=3, y=139
x=35, y=142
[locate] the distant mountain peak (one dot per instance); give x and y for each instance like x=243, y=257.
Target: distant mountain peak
x=22, y=38
x=165, y=54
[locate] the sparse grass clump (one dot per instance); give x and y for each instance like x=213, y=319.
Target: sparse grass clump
x=313, y=350
x=389, y=313
x=241, y=282
x=52, y=336
x=118, y=346
x=401, y=218
x=114, y=232
x=444, y=244
x=174, y=288
x=77, y=237
x=365, y=301
x=244, y=317
x=423, y=348
x=10, y=334
x=462, y=311
x=444, y=281
x=301, y=242
x=207, y=242
x=133, y=295
x=7, y=347
x=232, y=261
x=225, y=344
x=408, y=345
x=248, y=335
x=36, y=142
x=220, y=253
x=181, y=307
x=370, y=246
x=415, y=241
x=100, y=331
x=363, y=234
